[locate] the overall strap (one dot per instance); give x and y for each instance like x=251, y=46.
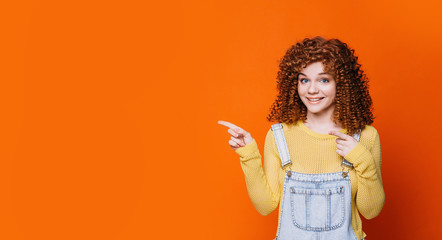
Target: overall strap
x=346, y=163
x=283, y=150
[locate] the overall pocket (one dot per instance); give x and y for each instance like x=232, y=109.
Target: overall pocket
x=317, y=209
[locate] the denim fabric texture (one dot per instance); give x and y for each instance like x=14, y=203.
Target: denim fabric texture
x=314, y=206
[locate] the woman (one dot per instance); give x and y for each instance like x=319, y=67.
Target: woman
x=322, y=160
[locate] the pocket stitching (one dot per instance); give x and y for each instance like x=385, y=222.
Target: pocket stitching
x=324, y=192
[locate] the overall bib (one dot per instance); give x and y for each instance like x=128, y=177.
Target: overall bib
x=314, y=206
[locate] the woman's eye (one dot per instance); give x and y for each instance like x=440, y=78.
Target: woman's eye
x=324, y=80
x=303, y=80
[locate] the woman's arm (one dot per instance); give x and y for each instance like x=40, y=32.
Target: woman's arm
x=370, y=196
x=262, y=183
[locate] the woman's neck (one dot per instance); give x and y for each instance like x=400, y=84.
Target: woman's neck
x=321, y=123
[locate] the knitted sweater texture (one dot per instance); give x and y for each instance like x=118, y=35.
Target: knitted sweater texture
x=312, y=152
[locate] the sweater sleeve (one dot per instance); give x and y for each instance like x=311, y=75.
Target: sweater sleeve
x=262, y=182
x=370, y=196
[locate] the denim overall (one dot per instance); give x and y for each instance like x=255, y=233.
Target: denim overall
x=314, y=206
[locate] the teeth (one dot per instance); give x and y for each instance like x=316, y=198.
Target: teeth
x=314, y=99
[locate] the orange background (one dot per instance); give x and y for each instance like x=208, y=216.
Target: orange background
x=110, y=108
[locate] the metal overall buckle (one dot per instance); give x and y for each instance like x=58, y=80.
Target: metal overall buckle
x=289, y=171
x=346, y=164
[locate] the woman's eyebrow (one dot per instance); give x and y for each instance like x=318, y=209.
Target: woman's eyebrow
x=318, y=74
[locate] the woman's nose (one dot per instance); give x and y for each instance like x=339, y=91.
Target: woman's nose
x=312, y=89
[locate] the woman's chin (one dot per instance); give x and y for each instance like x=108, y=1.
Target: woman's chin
x=320, y=111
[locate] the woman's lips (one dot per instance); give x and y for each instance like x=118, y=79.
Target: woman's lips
x=314, y=100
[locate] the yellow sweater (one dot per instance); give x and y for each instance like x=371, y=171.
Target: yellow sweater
x=311, y=152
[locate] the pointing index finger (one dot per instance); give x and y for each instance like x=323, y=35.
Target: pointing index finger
x=339, y=134
x=229, y=125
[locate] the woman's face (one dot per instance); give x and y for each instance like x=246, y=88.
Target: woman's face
x=317, y=89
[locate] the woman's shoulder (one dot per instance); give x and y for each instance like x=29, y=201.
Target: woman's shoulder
x=285, y=127
x=287, y=130
x=369, y=129
x=369, y=133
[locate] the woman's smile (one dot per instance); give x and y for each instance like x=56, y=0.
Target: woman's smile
x=314, y=100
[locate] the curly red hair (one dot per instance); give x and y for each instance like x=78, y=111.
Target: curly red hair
x=353, y=109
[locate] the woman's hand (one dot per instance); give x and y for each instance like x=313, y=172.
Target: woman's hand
x=344, y=143
x=239, y=137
